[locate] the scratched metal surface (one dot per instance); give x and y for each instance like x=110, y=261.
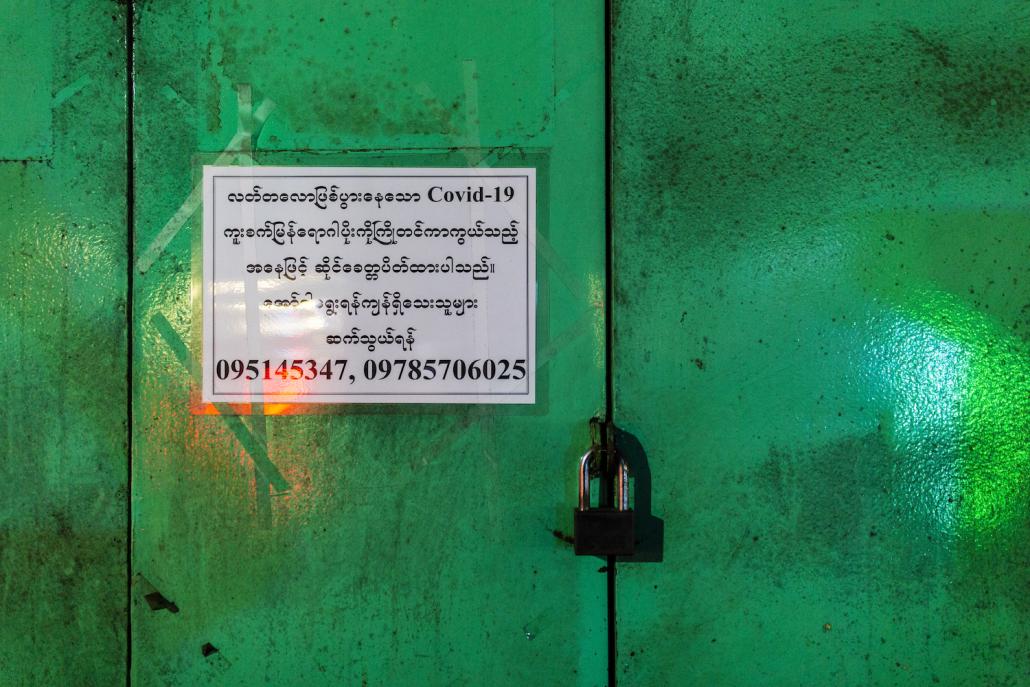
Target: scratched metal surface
x=377, y=546
x=822, y=321
x=62, y=337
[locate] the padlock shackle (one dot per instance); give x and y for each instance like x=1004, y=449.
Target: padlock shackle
x=584, y=480
x=622, y=483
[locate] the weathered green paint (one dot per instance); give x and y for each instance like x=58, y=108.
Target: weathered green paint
x=396, y=545
x=27, y=81
x=822, y=282
x=822, y=326
x=62, y=339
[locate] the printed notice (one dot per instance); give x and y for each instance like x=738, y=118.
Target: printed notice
x=369, y=285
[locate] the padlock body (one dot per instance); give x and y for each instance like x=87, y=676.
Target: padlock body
x=603, y=532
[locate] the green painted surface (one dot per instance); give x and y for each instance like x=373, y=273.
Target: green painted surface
x=62, y=337
x=26, y=82
x=822, y=332
x=822, y=325
x=395, y=545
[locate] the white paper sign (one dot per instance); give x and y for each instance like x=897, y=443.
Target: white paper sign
x=369, y=285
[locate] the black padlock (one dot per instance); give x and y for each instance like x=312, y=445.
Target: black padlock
x=603, y=531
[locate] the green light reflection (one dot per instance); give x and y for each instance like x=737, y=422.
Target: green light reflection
x=959, y=386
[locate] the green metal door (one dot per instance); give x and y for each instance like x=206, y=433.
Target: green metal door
x=819, y=349
x=822, y=278
x=406, y=545
x=63, y=340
